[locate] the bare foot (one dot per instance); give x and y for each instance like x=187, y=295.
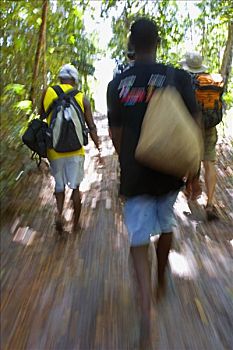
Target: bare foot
x=59, y=224
x=161, y=290
x=76, y=228
x=145, y=334
x=211, y=213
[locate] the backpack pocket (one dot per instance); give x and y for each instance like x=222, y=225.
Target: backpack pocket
x=212, y=117
x=35, y=137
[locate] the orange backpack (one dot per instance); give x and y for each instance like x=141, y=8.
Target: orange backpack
x=209, y=90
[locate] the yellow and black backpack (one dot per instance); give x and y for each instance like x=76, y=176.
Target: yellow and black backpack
x=209, y=90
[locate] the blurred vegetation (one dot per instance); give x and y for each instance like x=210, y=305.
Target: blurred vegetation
x=23, y=49
x=213, y=24
x=37, y=37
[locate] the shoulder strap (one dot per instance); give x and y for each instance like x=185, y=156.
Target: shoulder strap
x=78, y=108
x=59, y=93
x=58, y=90
x=72, y=92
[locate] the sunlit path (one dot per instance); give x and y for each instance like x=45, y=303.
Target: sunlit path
x=78, y=292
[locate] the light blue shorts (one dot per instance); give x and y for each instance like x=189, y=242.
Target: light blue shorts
x=146, y=216
x=67, y=171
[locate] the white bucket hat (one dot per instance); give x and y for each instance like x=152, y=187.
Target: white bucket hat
x=68, y=71
x=193, y=62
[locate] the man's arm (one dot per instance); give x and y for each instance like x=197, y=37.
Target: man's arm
x=115, y=134
x=114, y=116
x=90, y=122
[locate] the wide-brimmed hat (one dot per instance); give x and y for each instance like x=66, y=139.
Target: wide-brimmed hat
x=193, y=62
x=68, y=71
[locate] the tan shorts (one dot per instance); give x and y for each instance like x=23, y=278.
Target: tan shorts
x=210, y=140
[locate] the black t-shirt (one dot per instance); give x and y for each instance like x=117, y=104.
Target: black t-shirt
x=127, y=98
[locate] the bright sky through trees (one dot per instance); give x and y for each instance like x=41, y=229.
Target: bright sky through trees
x=104, y=67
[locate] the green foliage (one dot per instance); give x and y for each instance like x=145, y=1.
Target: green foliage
x=25, y=105
x=176, y=24
x=19, y=89
x=164, y=12
x=106, y=6
x=213, y=24
x=66, y=41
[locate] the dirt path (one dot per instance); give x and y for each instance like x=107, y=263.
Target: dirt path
x=79, y=293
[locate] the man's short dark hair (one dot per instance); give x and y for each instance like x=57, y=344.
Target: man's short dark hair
x=144, y=34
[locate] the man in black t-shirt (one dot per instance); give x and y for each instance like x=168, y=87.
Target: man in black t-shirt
x=150, y=195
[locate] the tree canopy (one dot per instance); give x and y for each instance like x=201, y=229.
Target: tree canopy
x=212, y=25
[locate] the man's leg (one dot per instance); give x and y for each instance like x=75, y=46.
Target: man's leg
x=193, y=187
x=57, y=169
x=165, y=214
x=74, y=175
x=210, y=171
x=210, y=180
x=60, y=198
x=142, y=268
x=196, y=188
x=162, y=251
x=77, y=207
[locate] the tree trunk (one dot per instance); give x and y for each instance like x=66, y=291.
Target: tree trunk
x=44, y=65
x=40, y=46
x=227, y=56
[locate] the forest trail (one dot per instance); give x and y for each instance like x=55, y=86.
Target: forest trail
x=78, y=292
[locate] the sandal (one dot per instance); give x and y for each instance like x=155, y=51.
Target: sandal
x=59, y=225
x=211, y=213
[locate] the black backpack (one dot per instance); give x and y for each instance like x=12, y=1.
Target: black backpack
x=67, y=131
x=39, y=136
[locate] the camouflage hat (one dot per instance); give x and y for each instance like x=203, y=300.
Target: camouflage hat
x=68, y=71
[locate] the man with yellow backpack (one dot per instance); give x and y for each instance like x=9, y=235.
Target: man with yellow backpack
x=208, y=89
